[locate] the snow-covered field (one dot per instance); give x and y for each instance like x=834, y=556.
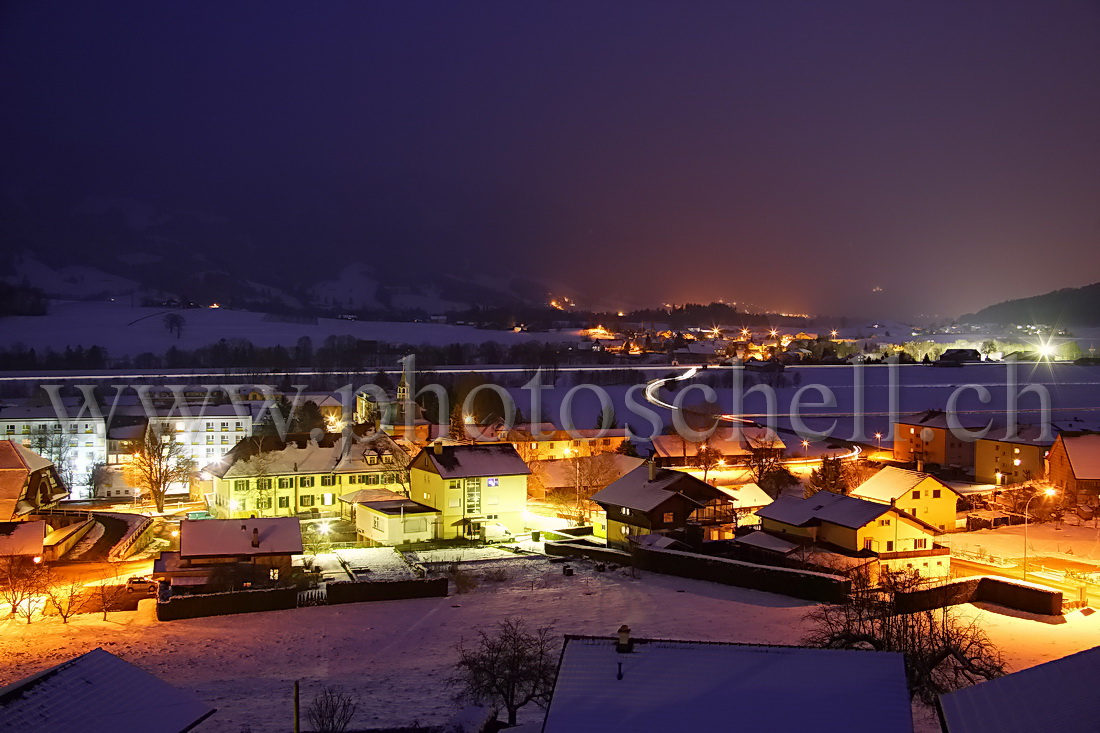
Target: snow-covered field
x=1067, y=542
x=124, y=330
x=397, y=654
x=376, y=563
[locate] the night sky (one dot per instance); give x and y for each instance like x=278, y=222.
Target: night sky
x=793, y=155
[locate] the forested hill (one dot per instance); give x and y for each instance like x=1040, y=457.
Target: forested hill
x=1065, y=307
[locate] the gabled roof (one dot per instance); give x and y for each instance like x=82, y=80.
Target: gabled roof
x=636, y=491
x=767, y=541
x=22, y=538
x=98, y=693
x=1009, y=704
x=17, y=463
x=233, y=537
x=300, y=454
x=471, y=461
x=1083, y=452
x=892, y=483
x=672, y=686
x=748, y=495
x=938, y=419
x=729, y=441
x=824, y=506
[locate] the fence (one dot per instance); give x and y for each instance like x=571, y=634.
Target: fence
x=346, y=591
x=135, y=538
x=797, y=583
x=1029, y=598
x=224, y=604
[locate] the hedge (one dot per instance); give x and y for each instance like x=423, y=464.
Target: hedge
x=1029, y=598
x=347, y=591
x=223, y=604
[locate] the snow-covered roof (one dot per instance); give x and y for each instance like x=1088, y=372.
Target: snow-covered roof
x=892, y=483
x=399, y=506
x=1012, y=704
x=466, y=461
x=1083, y=452
x=965, y=487
x=668, y=686
x=729, y=441
x=747, y=495
x=300, y=454
x=824, y=506
x=659, y=542
x=366, y=495
x=559, y=473
x=636, y=491
x=766, y=541
x=98, y=693
x=233, y=537
x=939, y=419
x=22, y=538
x=17, y=463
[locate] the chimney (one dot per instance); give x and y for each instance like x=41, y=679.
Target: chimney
x=624, y=645
x=652, y=469
x=255, y=537
x=437, y=447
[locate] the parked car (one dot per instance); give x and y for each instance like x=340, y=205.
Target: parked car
x=141, y=584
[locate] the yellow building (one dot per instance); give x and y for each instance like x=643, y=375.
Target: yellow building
x=920, y=495
x=387, y=518
x=1002, y=459
x=270, y=478
x=480, y=490
x=928, y=438
x=545, y=442
x=851, y=525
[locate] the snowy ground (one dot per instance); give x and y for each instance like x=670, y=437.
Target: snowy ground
x=460, y=554
x=1067, y=542
x=397, y=654
x=377, y=563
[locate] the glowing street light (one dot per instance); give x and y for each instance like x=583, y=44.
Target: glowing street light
x=878, y=440
x=1046, y=492
x=833, y=333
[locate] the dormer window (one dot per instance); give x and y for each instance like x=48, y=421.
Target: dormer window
x=371, y=459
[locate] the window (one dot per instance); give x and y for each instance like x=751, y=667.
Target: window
x=225, y=426
x=372, y=459
x=284, y=502
x=868, y=543
x=884, y=522
x=492, y=482
x=626, y=511
x=492, y=516
x=454, y=502
x=10, y=429
x=225, y=440
x=377, y=523
x=473, y=495
x=607, y=441
x=239, y=426
x=420, y=524
x=372, y=478
x=492, y=499
x=264, y=484
x=306, y=482
x=306, y=499
x=387, y=458
x=889, y=545
x=920, y=544
x=209, y=439
x=286, y=483
x=273, y=573
x=210, y=427
x=240, y=485
x=353, y=479
x=328, y=499
x=329, y=480
x=667, y=518
x=916, y=495
x=387, y=478
x=936, y=493
x=263, y=503
x=454, y=484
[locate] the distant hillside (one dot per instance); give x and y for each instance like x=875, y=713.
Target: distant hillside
x=1065, y=307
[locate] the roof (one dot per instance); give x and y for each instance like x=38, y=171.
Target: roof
x=735, y=441
x=824, y=506
x=468, y=461
x=99, y=693
x=367, y=495
x=938, y=419
x=17, y=463
x=300, y=454
x=563, y=473
x=636, y=491
x=766, y=541
x=892, y=483
x=747, y=495
x=1083, y=452
x=1023, y=434
x=1009, y=704
x=22, y=538
x=668, y=686
x=233, y=537
x=399, y=506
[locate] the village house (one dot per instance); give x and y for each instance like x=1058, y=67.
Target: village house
x=652, y=500
x=927, y=438
x=384, y=517
x=853, y=527
x=249, y=550
x=546, y=442
x=266, y=476
x=1074, y=466
x=633, y=685
x=918, y=494
x=480, y=490
x=1006, y=456
x=398, y=414
x=732, y=446
x=29, y=483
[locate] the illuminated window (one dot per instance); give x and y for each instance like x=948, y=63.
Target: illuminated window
x=916, y=495
x=920, y=544
x=936, y=493
x=668, y=518
x=306, y=482
x=492, y=482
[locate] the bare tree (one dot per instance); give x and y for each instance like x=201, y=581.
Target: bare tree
x=586, y=475
x=18, y=581
x=57, y=447
x=331, y=710
x=67, y=597
x=766, y=466
x=706, y=458
x=257, y=469
x=108, y=595
x=159, y=462
x=942, y=651
x=509, y=665
x=174, y=322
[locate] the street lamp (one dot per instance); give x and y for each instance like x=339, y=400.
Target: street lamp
x=1046, y=492
x=878, y=441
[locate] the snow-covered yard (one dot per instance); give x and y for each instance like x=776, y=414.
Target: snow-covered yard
x=397, y=654
x=460, y=554
x=377, y=563
x=1068, y=542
